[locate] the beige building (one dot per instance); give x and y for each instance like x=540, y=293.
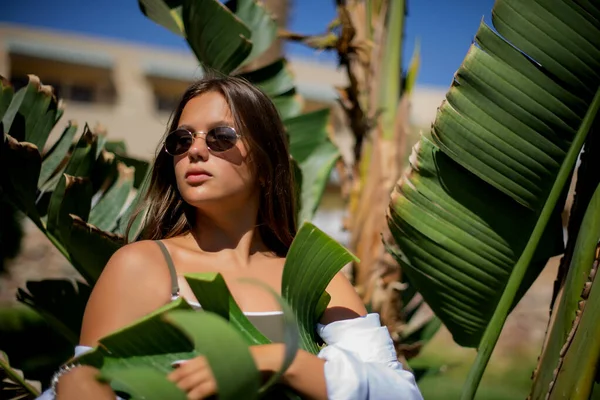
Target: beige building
x=131, y=89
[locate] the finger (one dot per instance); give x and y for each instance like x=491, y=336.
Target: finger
x=203, y=390
x=186, y=368
x=193, y=380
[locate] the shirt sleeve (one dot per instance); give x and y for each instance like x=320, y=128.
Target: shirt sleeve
x=361, y=362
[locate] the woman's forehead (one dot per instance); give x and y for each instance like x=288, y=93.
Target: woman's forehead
x=206, y=109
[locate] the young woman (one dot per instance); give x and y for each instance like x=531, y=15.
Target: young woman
x=222, y=199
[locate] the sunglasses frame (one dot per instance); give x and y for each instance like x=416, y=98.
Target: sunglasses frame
x=198, y=133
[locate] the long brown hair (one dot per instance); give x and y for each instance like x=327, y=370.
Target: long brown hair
x=255, y=116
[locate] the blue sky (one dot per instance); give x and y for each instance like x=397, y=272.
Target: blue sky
x=444, y=28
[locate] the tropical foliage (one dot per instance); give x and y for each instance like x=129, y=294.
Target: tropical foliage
x=11, y=233
x=12, y=383
x=61, y=188
x=477, y=214
x=471, y=222
x=62, y=217
x=368, y=38
x=135, y=362
x=81, y=193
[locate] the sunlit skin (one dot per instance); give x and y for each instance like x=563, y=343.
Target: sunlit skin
x=224, y=189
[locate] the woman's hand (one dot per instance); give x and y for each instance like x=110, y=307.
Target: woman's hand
x=268, y=358
x=81, y=383
x=195, y=378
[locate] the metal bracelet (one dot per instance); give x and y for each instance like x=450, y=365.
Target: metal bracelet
x=61, y=371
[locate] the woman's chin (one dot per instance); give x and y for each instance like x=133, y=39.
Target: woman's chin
x=201, y=200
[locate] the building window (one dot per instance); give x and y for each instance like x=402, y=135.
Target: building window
x=62, y=90
x=166, y=103
x=84, y=94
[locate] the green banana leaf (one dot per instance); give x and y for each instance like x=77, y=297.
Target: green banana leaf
x=61, y=303
x=105, y=213
x=6, y=95
x=219, y=39
x=289, y=104
x=52, y=191
x=133, y=206
x=83, y=237
x=274, y=79
x=136, y=359
x=22, y=140
x=21, y=329
x=140, y=167
x=57, y=153
x=595, y=392
x=13, y=386
x=167, y=14
x=263, y=29
x=223, y=36
x=19, y=189
x=316, y=155
x=56, y=190
x=277, y=82
x=31, y=113
x=311, y=263
x=390, y=86
x=73, y=195
x=212, y=293
x=464, y=212
x=578, y=370
x=565, y=315
x=486, y=186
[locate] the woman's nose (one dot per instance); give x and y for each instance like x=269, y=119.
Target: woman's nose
x=198, y=148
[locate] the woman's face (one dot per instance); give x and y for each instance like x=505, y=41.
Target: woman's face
x=205, y=177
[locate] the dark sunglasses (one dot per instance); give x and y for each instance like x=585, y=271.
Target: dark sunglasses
x=218, y=140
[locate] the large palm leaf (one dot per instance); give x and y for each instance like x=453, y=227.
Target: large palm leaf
x=480, y=202
x=61, y=188
x=12, y=384
x=568, y=362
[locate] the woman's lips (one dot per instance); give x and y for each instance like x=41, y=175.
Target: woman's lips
x=197, y=177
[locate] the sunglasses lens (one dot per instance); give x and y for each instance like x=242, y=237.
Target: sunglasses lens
x=178, y=142
x=221, y=139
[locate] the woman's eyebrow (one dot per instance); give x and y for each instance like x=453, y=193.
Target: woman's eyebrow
x=220, y=123
x=186, y=126
x=209, y=126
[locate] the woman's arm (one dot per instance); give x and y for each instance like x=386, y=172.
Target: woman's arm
x=358, y=363
x=305, y=375
x=81, y=383
x=131, y=285
x=134, y=282
x=307, y=372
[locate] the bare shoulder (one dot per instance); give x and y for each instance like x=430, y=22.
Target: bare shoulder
x=345, y=302
x=134, y=282
x=141, y=249
x=134, y=261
